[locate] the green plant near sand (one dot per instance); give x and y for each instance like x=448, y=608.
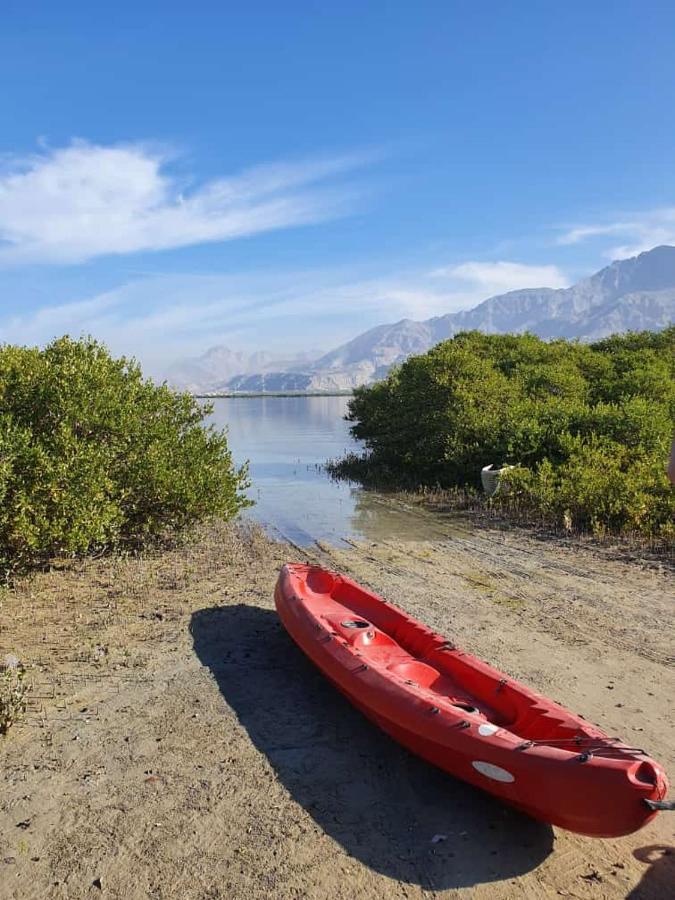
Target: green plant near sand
x=95, y=457
x=587, y=427
x=13, y=691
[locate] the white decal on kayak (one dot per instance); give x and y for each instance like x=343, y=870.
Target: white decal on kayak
x=491, y=771
x=487, y=729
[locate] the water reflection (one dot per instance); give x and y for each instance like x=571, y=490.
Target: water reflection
x=287, y=440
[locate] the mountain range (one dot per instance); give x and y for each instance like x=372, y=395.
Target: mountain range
x=213, y=370
x=628, y=295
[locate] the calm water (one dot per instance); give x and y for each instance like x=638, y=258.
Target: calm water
x=287, y=440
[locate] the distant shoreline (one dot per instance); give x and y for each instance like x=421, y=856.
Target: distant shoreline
x=247, y=394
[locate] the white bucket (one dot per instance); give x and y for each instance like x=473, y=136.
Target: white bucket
x=490, y=478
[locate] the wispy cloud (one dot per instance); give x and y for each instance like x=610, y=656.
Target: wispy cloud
x=277, y=311
x=502, y=276
x=640, y=231
x=71, y=204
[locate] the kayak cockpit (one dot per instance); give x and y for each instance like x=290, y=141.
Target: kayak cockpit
x=386, y=638
x=381, y=650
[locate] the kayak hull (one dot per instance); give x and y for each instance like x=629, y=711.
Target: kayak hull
x=462, y=715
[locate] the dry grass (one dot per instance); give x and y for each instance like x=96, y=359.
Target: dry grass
x=95, y=620
x=13, y=690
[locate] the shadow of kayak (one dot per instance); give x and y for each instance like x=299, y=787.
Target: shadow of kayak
x=657, y=882
x=381, y=803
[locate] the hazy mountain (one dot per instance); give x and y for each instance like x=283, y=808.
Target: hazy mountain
x=215, y=368
x=628, y=295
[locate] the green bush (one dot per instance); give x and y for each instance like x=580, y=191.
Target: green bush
x=587, y=426
x=93, y=456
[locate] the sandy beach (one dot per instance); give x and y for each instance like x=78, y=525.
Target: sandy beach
x=178, y=745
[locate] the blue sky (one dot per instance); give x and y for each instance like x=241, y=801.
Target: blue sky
x=284, y=175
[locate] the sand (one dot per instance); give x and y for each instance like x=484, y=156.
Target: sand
x=178, y=745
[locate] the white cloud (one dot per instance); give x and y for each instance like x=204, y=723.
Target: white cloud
x=500, y=277
x=82, y=201
x=162, y=317
x=641, y=231
x=48, y=321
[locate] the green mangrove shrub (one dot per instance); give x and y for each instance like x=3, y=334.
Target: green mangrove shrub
x=587, y=427
x=93, y=456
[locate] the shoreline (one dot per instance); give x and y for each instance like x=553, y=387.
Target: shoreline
x=483, y=509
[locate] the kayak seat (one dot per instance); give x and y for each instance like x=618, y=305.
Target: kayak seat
x=422, y=674
x=319, y=581
x=398, y=648
x=427, y=677
x=361, y=633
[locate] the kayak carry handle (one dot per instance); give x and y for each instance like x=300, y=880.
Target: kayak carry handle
x=661, y=804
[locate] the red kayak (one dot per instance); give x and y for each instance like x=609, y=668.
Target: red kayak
x=464, y=716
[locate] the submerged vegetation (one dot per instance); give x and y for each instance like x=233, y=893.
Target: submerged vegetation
x=95, y=457
x=586, y=427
